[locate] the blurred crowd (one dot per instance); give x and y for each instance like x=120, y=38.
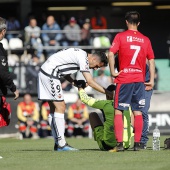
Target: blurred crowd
x=33, y=119
x=31, y=43
x=54, y=32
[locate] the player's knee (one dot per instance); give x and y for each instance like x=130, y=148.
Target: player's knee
x=136, y=113
x=92, y=114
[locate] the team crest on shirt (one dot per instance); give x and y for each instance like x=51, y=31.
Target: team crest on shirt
x=142, y=102
x=132, y=39
x=129, y=38
x=59, y=95
x=3, y=62
x=86, y=67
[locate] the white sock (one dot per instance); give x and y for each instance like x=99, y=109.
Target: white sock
x=50, y=117
x=60, y=127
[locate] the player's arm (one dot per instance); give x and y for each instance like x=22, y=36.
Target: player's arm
x=151, y=61
x=111, y=58
x=70, y=79
x=111, y=55
x=150, y=84
x=94, y=85
x=90, y=101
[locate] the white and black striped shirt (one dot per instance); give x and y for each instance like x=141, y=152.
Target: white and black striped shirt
x=67, y=61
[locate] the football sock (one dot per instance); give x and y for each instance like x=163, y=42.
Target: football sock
x=59, y=123
x=50, y=118
x=138, y=126
x=118, y=127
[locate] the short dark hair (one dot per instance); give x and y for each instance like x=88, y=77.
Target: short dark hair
x=3, y=24
x=102, y=56
x=133, y=17
x=111, y=87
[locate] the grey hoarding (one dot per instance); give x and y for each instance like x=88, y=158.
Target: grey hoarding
x=160, y=119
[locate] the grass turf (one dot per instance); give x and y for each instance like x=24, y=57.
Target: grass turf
x=39, y=155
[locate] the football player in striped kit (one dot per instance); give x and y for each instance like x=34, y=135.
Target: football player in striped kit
x=63, y=64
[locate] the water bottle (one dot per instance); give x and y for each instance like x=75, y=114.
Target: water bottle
x=156, y=139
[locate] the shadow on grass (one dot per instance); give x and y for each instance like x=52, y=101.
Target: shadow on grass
x=90, y=150
x=148, y=148
x=35, y=150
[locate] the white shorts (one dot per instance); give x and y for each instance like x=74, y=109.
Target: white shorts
x=49, y=89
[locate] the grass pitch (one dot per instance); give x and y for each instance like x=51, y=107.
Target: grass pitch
x=39, y=155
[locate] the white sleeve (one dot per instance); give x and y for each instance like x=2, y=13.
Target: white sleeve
x=83, y=62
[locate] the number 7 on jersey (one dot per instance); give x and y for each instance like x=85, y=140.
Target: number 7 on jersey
x=135, y=55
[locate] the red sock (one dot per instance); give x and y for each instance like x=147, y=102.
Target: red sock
x=138, y=125
x=118, y=127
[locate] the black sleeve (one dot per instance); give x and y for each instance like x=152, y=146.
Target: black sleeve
x=5, y=75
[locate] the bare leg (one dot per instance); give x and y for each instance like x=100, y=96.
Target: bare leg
x=95, y=120
x=137, y=113
x=132, y=119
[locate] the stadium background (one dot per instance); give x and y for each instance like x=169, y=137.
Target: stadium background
x=155, y=24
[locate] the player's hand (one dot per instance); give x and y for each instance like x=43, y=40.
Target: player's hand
x=16, y=93
x=149, y=85
x=81, y=84
x=74, y=83
x=116, y=74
